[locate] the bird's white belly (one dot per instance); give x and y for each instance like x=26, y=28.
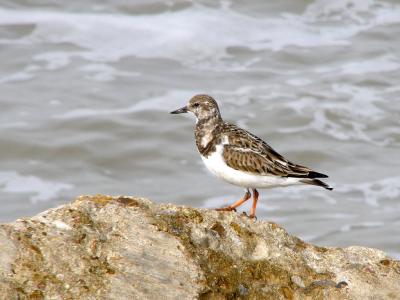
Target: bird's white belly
x=216, y=164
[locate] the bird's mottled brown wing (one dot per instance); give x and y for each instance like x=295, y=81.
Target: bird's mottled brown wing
x=246, y=152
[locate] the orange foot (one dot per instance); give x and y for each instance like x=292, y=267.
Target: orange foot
x=254, y=206
x=248, y=216
x=236, y=204
x=226, y=208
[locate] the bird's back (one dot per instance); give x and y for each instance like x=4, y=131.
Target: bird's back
x=246, y=152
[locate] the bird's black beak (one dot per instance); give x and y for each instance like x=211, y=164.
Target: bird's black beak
x=180, y=111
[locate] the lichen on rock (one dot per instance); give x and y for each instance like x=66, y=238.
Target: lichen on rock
x=103, y=247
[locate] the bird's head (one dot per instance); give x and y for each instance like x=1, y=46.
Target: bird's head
x=202, y=106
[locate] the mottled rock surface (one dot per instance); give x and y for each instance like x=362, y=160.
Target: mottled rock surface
x=102, y=247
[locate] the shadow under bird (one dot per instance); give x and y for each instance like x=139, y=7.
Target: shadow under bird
x=241, y=158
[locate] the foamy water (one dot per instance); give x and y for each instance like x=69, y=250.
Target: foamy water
x=86, y=91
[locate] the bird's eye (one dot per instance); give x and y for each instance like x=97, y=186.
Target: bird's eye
x=196, y=104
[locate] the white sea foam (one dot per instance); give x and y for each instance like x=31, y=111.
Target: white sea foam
x=345, y=112
x=15, y=124
x=362, y=225
x=356, y=108
x=109, y=37
x=104, y=72
x=363, y=12
x=12, y=182
x=175, y=99
x=372, y=192
x=381, y=64
x=17, y=77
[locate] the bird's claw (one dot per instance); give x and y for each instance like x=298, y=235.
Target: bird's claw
x=249, y=216
x=228, y=208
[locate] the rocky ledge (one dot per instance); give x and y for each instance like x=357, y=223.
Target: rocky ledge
x=102, y=247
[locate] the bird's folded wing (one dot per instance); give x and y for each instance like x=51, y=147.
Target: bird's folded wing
x=261, y=162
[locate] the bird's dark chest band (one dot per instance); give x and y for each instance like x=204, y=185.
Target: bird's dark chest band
x=246, y=160
x=208, y=130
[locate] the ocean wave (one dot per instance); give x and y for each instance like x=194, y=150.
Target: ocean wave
x=355, y=114
x=12, y=182
x=343, y=111
x=380, y=64
x=362, y=225
x=366, y=12
x=184, y=35
x=373, y=192
x=167, y=102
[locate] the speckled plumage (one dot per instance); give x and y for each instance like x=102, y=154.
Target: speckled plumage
x=240, y=157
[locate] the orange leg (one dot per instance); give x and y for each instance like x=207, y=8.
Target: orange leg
x=253, y=207
x=236, y=204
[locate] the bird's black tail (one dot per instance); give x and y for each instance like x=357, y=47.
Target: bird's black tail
x=317, y=182
x=313, y=174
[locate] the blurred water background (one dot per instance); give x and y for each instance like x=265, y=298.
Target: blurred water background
x=86, y=87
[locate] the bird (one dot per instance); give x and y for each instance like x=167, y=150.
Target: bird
x=240, y=157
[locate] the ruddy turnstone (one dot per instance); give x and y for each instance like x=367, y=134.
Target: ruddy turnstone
x=241, y=158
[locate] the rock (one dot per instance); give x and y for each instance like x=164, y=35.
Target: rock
x=102, y=247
